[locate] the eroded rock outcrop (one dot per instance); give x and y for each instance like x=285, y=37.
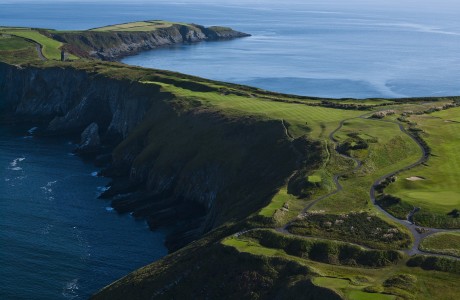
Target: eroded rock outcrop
x=90, y=140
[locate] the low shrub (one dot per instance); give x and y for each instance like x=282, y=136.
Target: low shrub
x=330, y=252
x=429, y=219
x=394, y=206
x=401, y=281
x=373, y=289
x=361, y=228
x=435, y=263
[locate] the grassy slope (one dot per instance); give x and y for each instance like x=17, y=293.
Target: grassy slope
x=354, y=283
x=51, y=48
x=12, y=43
x=392, y=151
x=303, y=119
x=439, y=192
x=389, y=149
x=443, y=242
x=13, y=49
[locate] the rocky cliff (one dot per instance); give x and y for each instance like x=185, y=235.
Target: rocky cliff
x=193, y=169
x=113, y=45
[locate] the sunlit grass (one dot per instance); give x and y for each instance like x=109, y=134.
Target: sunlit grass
x=439, y=191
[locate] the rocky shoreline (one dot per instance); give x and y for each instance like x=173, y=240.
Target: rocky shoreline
x=157, y=180
x=113, y=46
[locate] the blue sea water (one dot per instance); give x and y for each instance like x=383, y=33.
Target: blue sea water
x=329, y=48
x=57, y=241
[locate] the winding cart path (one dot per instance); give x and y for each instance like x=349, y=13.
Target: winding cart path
x=418, y=232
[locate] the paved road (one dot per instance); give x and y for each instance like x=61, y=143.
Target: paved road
x=338, y=186
x=418, y=237
x=39, y=49
x=426, y=231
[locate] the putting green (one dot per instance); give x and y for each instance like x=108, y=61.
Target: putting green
x=314, y=178
x=439, y=192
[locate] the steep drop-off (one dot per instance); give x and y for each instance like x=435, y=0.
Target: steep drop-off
x=113, y=45
x=175, y=164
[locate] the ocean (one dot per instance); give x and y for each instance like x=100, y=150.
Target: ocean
x=328, y=48
x=58, y=241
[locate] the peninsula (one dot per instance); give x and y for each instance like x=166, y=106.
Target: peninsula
x=267, y=195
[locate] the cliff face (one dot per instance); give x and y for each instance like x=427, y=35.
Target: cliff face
x=115, y=45
x=70, y=99
x=193, y=169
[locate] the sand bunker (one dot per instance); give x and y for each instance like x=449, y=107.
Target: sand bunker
x=415, y=178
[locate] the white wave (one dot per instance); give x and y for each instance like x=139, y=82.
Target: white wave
x=70, y=290
x=94, y=174
x=14, y=164
x=47, y=188
x=32, y=130
x=103, y=188
x=108, y=208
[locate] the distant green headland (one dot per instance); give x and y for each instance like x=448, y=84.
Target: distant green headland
x=268, y=195
x=106, y=43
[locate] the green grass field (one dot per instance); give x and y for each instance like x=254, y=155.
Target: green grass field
x=443, y=243
x=10, y=43
x=350, y=290
x=389, y=149
x=51, y=48
x=438, y=191
x=355, y=283
x=15, y=49
x=277, y=202
x=314, y=121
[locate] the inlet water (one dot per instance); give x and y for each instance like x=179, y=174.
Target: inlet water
x=57, y=240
